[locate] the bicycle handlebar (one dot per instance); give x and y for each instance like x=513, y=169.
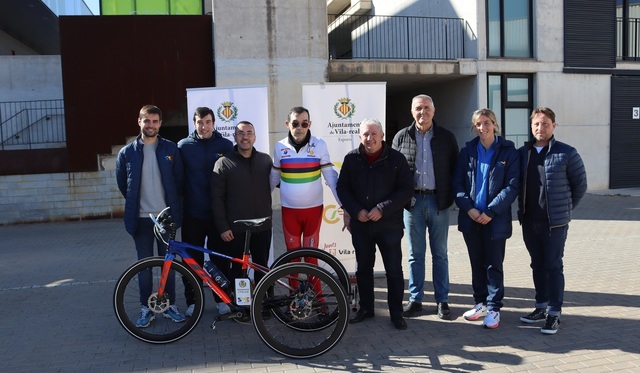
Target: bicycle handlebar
x=158, y=225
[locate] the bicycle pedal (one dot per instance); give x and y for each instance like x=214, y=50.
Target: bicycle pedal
x=213, y=324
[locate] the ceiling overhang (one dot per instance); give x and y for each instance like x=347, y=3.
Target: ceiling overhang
x=32, y=23
x=401, y=75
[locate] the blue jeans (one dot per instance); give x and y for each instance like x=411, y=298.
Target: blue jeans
x=144, y=239
x=364, y=238
x=546, y=248
x=425, y=214
x=486, y=256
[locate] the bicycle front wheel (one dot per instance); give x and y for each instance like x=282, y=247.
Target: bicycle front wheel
x=161, y=328
x=316, y=297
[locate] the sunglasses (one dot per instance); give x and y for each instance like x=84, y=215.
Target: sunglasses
x=297, y=124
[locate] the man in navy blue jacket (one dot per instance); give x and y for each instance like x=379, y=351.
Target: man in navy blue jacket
x=553, y=183
x=200, y=151
x=149, y=176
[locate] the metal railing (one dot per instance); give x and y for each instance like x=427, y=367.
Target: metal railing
x=32, y=124
x=628, y=39
x=396, y=37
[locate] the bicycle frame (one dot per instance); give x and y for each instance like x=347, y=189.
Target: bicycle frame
x=180, y=248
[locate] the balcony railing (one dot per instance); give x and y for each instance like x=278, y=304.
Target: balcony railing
x=32, y=124
x=396, y=37
x=627, y=39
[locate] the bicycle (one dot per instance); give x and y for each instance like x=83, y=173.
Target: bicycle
x=306, y=322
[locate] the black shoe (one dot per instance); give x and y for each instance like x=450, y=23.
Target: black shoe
x=539, y=314
x=551, y=325
x=411, y=309
x=361, y=315
x=443, y=311
x=399, y=323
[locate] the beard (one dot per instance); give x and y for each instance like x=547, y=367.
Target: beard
x=149, y=132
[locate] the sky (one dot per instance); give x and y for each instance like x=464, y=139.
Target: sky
x=94, y=5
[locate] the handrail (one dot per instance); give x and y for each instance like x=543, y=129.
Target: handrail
x=26, y=124
x=628, y=39
x=397, y=37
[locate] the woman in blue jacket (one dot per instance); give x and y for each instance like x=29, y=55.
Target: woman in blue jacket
x=485, y=184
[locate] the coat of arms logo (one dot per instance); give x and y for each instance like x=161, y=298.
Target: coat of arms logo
x=227, y=111
x=344, y=108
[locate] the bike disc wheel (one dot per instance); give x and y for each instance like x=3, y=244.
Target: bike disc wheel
x=325, y=261
x=298, y=335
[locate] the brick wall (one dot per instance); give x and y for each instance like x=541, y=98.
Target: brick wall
x=60, y=196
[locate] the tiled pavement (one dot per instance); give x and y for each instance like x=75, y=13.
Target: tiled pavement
x=56, y=284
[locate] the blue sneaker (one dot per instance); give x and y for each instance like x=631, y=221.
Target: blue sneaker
x=174, y=314
x=146, y=317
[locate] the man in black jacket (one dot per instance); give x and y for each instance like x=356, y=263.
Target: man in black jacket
x=240, y=190
x=374, y=185
x=431, y=152
x=553, y=183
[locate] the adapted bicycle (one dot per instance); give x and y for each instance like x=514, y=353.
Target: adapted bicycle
x=298, y=309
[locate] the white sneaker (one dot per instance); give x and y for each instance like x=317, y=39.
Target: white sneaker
x=492, y=320
x=478, y=311
x=190, y=310
x=223, y=308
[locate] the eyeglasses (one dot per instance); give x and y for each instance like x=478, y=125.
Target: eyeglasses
x=244, y=134
x=298, y=124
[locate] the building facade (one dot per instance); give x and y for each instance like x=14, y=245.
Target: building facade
x=579, y=57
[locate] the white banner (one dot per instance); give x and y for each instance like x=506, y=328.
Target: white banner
x=336, y=110
x=232, y=105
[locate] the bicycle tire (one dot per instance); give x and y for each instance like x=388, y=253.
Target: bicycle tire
x=126, y=302
x=305, y=305
x=337, y=268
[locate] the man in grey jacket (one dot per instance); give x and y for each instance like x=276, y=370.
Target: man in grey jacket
x=553, y=182
x=432, y=152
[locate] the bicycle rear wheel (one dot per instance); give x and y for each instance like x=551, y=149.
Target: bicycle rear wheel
x=127, y=304
x=299, y=334
x=325, y=261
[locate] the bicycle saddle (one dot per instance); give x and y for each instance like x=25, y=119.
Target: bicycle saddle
x=252, y=223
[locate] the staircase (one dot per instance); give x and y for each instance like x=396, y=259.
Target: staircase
x=107, y=162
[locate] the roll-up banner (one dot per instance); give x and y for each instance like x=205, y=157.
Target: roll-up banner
x=336, y=110
x=232, y=105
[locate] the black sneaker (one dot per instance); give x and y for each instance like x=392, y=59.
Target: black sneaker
x=538, y=314
x=411, y=309
x=551, y=325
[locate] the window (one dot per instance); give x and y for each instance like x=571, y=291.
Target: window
x=151, y=7
x=510, y=97
x=628, y=30
x=509, y=28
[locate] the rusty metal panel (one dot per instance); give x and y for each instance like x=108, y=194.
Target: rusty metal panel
x=113, y=65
